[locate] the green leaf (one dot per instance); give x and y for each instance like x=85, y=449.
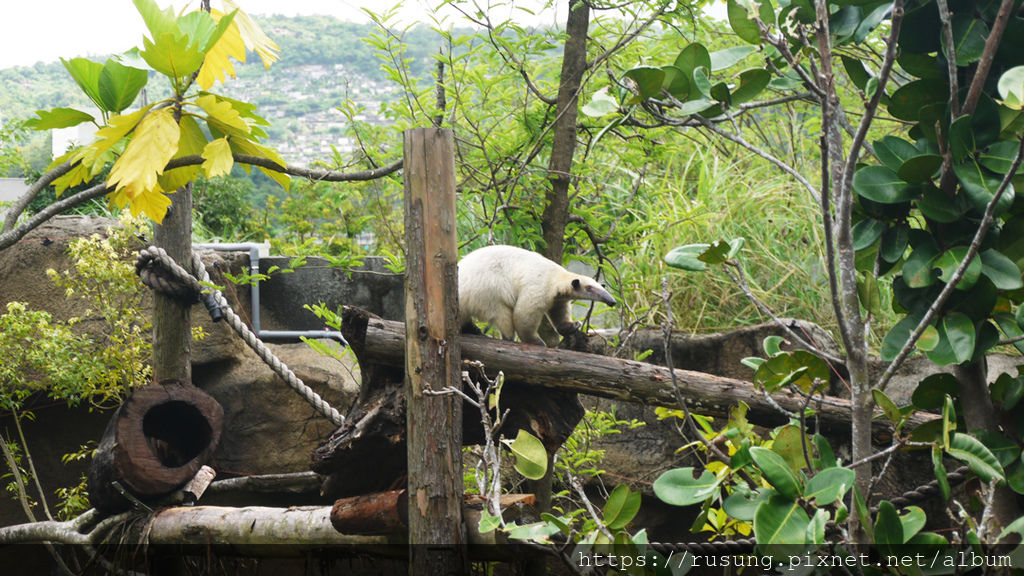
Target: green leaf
x=969, y=36
x=776, y=471
x=999, y=157
x=534, y=532
x=931, y=392
x=866, y=233
x=488, y=523
x=961, y=139
x=780, y=523
x=621, y=507
x=888, y=529
x=935, y=205
x=950, y=260
x=940, y=472
x=677, y=82
x=743, y=505
x=918, y=269
x=1002, y=271
x=722, y=59
x=86, y=74
x=909, y=100
x=171, y=55
x=1005, y=450
x=58, y=118
x=880, y=184
x=531, y=456
x=894, y=242
x=157, y=21
x=1011, y=87
x=898, y=336
x=868, y=292
x=889, y=408
x=981, y=186
x=648, y=81
x=678, y=487
x=687, y=257
x=752, y=83
x=856, y=70
x=980, y=459
x=871, y=21
x=692, y=57
x=893, y=151
x=799, y=368
x=738, y=12
x=829, y=485
x=826, y=457
x=920, y=169
x=119, y=85
x=789, y=443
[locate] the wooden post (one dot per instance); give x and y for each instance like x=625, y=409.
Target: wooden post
x=172, y=318
x=432, y=360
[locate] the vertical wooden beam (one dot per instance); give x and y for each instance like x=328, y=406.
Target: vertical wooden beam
x=432, y=359
x=172, y=318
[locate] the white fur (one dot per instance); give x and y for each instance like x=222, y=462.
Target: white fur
x=513, y=289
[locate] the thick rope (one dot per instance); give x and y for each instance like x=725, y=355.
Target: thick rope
x=154, y=265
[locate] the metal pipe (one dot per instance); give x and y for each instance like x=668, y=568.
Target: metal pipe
x=254, y=269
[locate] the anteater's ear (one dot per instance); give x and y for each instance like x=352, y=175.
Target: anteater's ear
x=575, y=283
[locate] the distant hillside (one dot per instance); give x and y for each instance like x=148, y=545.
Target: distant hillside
x=323, y=62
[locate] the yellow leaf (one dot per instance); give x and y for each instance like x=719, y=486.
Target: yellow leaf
x=253, y=35
x=154, y=143
x=217, y=156
x=217, y=64
x=191, y=143
x=251, y=148
x=222, y=115
x=153, y=203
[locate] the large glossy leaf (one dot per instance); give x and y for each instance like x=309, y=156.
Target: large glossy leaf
x=981, y=186
x=679, y=487
x=648, y=80
x=888, y=528
x=738, y=12
x=935, y=205
x=893, y=151
x=866, y=233
x=780, y=524
x=692, y=57
x=969, y=36
x=621, y=507
x=908, y=101
x=918, y=270
x=119, y=85
x=950, y=260
x=961, y=334
x=789, y=443
x=687, y=257
x=1002, y=271
x=531, y=456
x=172, y=55
x=742, y=506
x=829, y=485
x=961, y=139
x=920, y=168
x=880, y=184
x=980, y=459
x=932, y=391
x=676, y=83
x=752, y=83
x=86, y=74
x=871, y=21
x=775, y=470
x=999, y=157
x=894, y=242
x=898, y=336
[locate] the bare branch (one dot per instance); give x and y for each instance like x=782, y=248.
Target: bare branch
x=19, y=207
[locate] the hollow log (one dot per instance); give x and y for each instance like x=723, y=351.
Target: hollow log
x=627, y=380
x=155, y=442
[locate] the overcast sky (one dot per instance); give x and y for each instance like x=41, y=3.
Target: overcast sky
x=46, y=30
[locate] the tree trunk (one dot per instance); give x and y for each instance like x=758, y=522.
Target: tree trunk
x=563, y=142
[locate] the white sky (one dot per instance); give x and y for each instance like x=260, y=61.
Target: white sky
x=45, y=30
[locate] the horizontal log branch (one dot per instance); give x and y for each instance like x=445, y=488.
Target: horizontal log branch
x=619, y=379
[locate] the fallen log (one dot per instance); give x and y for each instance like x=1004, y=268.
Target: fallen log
x=626, y=380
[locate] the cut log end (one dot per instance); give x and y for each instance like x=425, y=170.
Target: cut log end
x=154, y=443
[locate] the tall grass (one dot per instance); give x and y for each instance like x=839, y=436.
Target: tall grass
x=710, y=196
